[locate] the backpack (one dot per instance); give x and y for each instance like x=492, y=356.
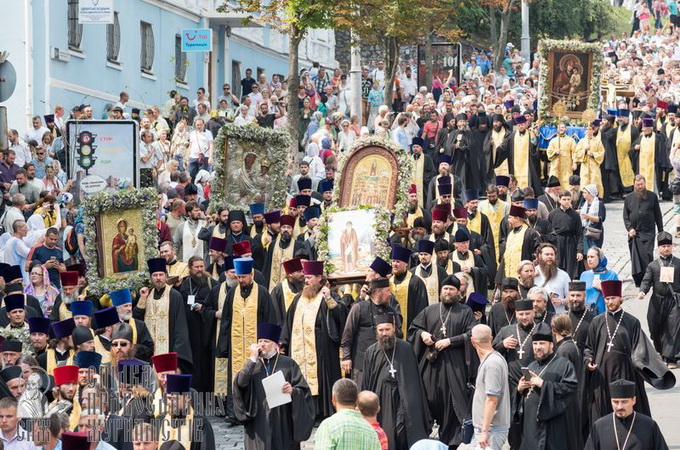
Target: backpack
x=71, y=242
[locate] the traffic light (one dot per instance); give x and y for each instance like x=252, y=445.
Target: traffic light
x=85, y=148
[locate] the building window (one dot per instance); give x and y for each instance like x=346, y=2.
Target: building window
x=236, y=78
x=180, y=61
x=260, y=71
x=113, y=39
x=75, y=29
x=148, y=47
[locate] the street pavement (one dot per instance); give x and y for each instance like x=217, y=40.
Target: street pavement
x=663, y=403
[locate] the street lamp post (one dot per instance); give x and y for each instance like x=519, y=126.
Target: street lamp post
x=526, y=40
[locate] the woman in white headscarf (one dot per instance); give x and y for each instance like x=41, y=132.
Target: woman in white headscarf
x=593, y=214
x=202, y=179
x=36, y=229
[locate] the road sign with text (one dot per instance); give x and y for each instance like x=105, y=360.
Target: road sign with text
x=197, y=40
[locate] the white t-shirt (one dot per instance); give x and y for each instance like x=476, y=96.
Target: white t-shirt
x=199, y=143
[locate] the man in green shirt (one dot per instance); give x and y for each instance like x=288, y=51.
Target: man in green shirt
x=346, y=429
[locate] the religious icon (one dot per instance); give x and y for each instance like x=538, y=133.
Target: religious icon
x=118, y=235
x=124, y=248
x=32, y=403
x=369, y=178
x=351, y=236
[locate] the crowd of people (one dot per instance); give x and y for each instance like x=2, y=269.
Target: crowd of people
x=497, y=318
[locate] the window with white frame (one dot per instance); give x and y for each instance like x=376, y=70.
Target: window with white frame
x=180, y=61
x=75, y=29
x=148, y=49
x=113, y=39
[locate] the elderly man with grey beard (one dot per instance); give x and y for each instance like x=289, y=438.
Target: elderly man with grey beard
x=69, y=293
x=122, y=301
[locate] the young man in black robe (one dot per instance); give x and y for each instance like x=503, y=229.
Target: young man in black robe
x=541, y=225
x=616, y=348
x=359, y=332
x=390, y=370
x=566, y=224
x=611, y=179
x=503, y=312
x=409, y=290
x=457, y=147
x=635, y=430
x=513, y=342
x=440, y=336
x=315, y=309
x=548, y=405
x=285, y=426
x=285, y=291
x=477, y=161
x=663, y=315
x=580, y=316
x=642, y=217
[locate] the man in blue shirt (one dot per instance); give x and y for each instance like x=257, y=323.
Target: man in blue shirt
x=50, y=256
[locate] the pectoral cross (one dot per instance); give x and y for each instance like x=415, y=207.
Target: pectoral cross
x=609, y=346
x=443, y=330
x=392, y=371
x=520, y=352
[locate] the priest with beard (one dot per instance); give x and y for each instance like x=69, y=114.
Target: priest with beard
x=415, y=210
x=642, y=217
x=360, y=327
x=257, y=214
x=617, y=348
x=521, y=151
x=440, y=337
x=246, y=305
x=580, y=316
x=272, y=221
x=513, y=342
x=408, y=289
x=560, y=153
x=457, y=147
x=122, y=301
x=162, y=309
x=520, y=244
x=495, y=210
x=542, y=226
x=219, y=229
x=568, y=230
x=433, y=275
x=624, y=136
x=492, y=145
x=547, y=401
x=611, y=179
x=625, y=424
x=650, y=158
x=391, y=371
x=316, y=309
x=478, y=222
x=282, y=248
x=440, y=219
x=423, y=170
x=285, y=426
x=663, y=314
x=444, y=177
x=539, y=297
x=477, y=163
x=286, y=290
x=502, y=313
x=69, y=293
x=478, y=245
x=216, y=252
x=195, y=291
x=471, y=264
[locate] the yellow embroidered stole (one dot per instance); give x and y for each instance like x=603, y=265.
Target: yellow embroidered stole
x=513, y=251
x=446, y=236
x=647, y=160
x=178, y=269
x=623, y=142
x=521, y=158
x=496, y=141
x=64, y=312
x=431, y=283
x=181, y=434
x=243, y=327
x=561, y=165
x=159, y=403
x=410, y=218
x=475, y=224
x=468, y=262
x=221, y=377
x=288, y=294
x=279, y=256
x=303, y=339
x=216, y=232
x=417, y=178
x=157, y=319
x=99, y=348
x=298, y=229
x=449, y=267
x=52, y=362
x=74, y=417
x=400, y=292
x=495, y=213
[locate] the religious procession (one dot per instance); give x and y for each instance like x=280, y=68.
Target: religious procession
x=382, y=259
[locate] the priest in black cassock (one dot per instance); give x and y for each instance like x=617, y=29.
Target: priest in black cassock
x=611, y=179
x=246, y=305
x=479, y=125
x=444, y=176
x=617, y=348
x=286, y=290
x=359, y=332
x=429, y=271
x=642, y=217
x=281, y=248
x=457, y=147
x=566, y=224
x=502, y=313
x=513, y=342
x=315, y=309
x=409, y=290
x=471, y=264
x=547, y=401
x=391, y=371
x=162, y=310
x=521, y=150
x=282, y=427
x=440, y=338
x=650, y=158
x=423, y=170
x=635, y=430
x=663, y=315
x=580, y=316
x=541, y=225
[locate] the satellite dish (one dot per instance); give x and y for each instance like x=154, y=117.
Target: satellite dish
x=8, y=80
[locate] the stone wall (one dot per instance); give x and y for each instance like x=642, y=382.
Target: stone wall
x=368, y=52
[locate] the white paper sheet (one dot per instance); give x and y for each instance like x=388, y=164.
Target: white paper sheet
x=273, y=385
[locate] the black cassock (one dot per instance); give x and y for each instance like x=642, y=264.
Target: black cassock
x=199, y=335
x=477, y=166
x=645, y=434
x=432, y=192
x=544, y=228
x=281, y=428
x=403, y=406
x=417, y=297
x=486, y=244
x=210, y=307
x=445, y=379
x=499, y=317
x=269, y=253
x=631, y=358
x=479, y=273
x=328, y=334
x=507, y=151
x=457, y=146
x=609, y=169
x=550, y=415
x=144, y=347
x=202, y=430
x=644, y=215
x=179, y=331
x=569, y=234
x=580, y=324
x=663, y=315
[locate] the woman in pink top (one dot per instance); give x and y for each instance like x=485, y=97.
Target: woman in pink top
x=430, y=130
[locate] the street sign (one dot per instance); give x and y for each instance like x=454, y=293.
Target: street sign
x=95, y=11
x=8, y=80
x=197, y=40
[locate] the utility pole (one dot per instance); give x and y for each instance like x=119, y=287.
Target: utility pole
x=526, y=40
x=355, y=77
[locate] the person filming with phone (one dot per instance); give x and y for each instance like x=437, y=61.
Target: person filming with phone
x=50, y=255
